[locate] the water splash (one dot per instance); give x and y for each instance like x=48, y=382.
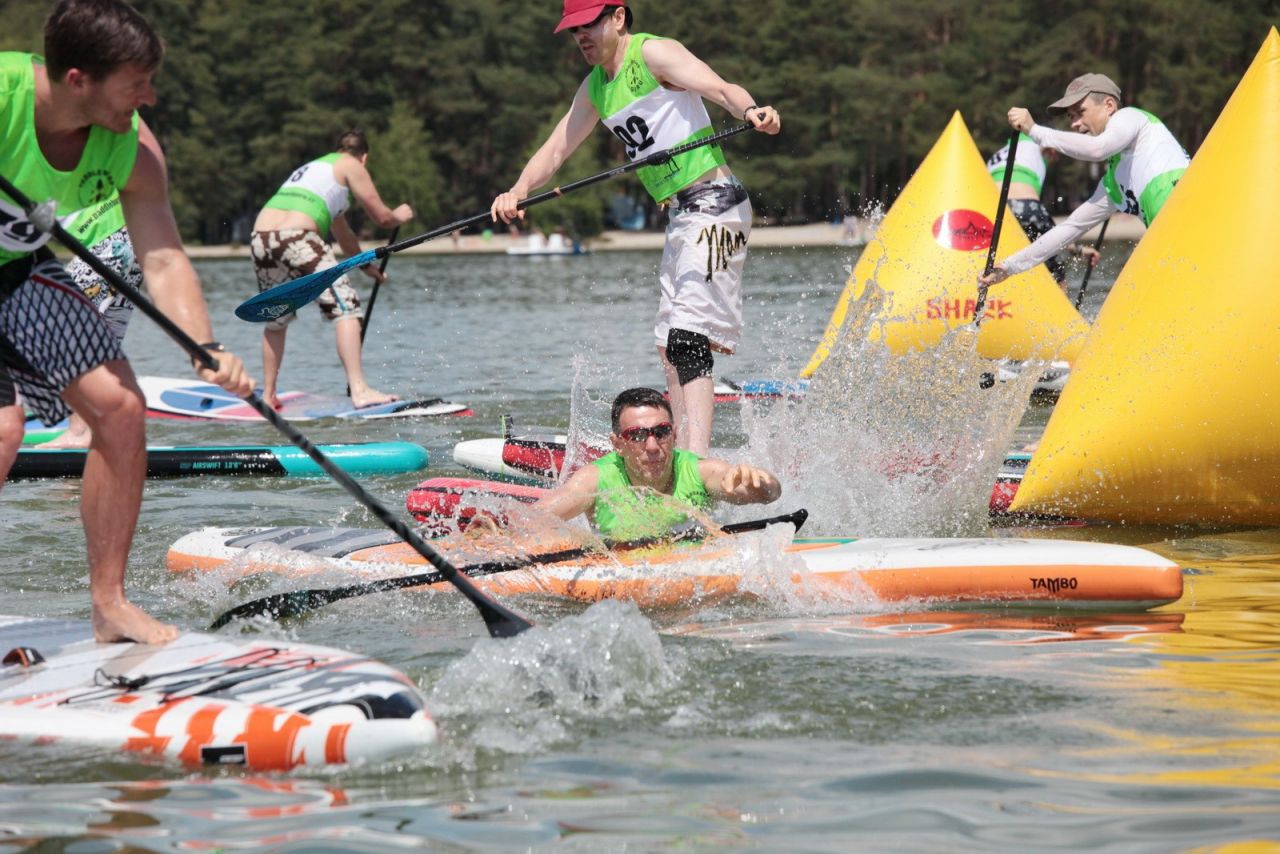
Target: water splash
x=523, y=694
x=892, y=445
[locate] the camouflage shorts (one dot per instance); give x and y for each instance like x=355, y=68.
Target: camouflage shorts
x=279, y=256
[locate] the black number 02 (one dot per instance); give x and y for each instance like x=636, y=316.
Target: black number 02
x=634, y=134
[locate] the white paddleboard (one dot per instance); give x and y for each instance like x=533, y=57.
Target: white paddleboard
x=205, y=699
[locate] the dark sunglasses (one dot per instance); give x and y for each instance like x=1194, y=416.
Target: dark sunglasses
x=604, y=13
x=640, y=435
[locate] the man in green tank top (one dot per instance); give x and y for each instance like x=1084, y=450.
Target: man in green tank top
x=647, y=485
x=70, y=134
x=648, y=91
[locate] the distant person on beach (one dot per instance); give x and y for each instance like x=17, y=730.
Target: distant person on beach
x=1144, y=163
x=1025, y=187
x=648, y=91
x=70, y=134
x=289, y=241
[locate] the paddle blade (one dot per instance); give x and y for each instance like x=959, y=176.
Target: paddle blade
x=292, y=295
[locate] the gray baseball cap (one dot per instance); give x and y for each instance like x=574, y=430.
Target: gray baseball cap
x=1084, y=85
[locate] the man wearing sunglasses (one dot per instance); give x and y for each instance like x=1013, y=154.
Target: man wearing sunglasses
x=647, y=485
x=648, y=91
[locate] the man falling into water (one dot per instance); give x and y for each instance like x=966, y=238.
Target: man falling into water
x=646, y=485
x=648, y=91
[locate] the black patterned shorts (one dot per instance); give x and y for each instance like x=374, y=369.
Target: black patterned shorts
x=50, y=334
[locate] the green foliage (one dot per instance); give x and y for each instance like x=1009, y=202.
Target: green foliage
x=456, y=94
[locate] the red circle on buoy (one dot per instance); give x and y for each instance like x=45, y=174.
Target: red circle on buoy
x=964, y=230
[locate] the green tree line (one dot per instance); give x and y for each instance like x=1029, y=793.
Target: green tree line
x=456, y=94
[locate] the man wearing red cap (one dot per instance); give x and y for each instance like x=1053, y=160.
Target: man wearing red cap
x=1144, y=163
x=648, y=92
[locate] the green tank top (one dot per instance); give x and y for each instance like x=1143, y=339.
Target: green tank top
x=103, y=169
x=99, y=222
x=636, y=108
x=1139, y=182
x=623, y=513
x=313, y=190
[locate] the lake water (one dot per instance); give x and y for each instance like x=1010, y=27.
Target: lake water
x=768, y=725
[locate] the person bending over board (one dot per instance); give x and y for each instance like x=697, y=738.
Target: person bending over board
x=70, y=133
x=1144, y=163
x=289, y=242
x=643, y=488
x=648, y=92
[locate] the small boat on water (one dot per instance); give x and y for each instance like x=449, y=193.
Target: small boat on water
x=556, y=244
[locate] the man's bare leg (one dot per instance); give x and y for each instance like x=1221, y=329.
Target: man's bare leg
x=348, y=331
x=272, y=358
x=12, y=422
x=692, y=408
x=112, y=404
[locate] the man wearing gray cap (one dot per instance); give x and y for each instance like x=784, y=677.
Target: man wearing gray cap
x=1144, y=163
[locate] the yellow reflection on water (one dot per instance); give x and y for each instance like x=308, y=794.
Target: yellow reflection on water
x=1222, y=670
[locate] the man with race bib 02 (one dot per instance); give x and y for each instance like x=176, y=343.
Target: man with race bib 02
x=648, y=91
x=1144, y=163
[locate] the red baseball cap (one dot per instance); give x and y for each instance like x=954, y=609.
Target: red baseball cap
x=579, y=12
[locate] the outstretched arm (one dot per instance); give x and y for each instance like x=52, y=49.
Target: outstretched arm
x=575, y=496
x=569, y=133
x=360, y=183
x=674, y=66
x=1091, y=213
x=1121, y=130
x=739, y=484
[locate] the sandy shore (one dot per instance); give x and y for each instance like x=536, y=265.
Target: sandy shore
x=1122, y=227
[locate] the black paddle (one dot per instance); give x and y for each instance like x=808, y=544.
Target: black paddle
x=1097, y=245
x=500, y=621
x=296, y=293
x=297, y=602
x=987, y=380
x=373, y=295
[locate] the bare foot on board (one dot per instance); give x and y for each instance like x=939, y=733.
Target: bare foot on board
x=125, y=621
x=371, y=397
x=77, y=435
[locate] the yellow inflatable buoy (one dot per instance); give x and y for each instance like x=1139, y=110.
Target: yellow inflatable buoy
x=926, y=257
x=1172, y=413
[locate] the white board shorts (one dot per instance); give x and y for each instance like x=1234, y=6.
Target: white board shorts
x=700, y=281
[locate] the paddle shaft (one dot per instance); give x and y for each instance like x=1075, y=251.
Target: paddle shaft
x=500, y=621
x=655, y=159
x=298, y=602
x=373, y=295
x=995, y=229
x=1097, y=245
